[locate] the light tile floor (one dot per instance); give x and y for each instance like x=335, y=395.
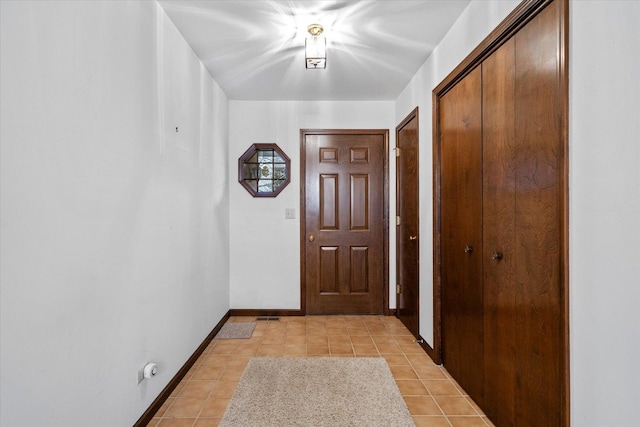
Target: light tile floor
x=432, y=396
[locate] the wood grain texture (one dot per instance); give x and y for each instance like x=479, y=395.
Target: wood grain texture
x=525, y=215
x=539, y=163
x=461, y=216
x=407, y=207
x=499, y=223
x=329, y=280
x=345, y=199
x=359, y=267
x=328, y=199
x=359, y=203
x=505, y=30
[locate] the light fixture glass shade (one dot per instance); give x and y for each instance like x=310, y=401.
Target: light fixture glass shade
x=315, y=52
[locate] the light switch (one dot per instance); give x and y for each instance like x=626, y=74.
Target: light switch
x=290, y=213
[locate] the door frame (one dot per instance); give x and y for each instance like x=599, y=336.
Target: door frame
x=385, y=200
x=413, y=115
x=518, y=18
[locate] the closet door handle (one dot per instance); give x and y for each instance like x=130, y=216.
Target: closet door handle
x=413, y=237
x=496, y=256
x=468, y=249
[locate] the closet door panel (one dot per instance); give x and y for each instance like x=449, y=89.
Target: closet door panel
x=538, y=231
x=499, y=222
x=461, y=213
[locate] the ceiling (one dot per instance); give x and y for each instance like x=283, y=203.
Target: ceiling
x=254, y=49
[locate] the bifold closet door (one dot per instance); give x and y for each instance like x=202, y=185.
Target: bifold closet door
x=499, y=223
x=461, y=228
x=539, y=230
x=500, y=131
x=522, y=158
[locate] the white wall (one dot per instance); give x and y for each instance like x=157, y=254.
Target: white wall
x=475, y=23
x=265, y=249
x=114, y=227
x=604, y=208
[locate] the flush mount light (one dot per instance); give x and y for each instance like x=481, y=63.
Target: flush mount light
x=315, y=48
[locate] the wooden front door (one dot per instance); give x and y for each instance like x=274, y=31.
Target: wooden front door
x=344, y=228
x=407, y=222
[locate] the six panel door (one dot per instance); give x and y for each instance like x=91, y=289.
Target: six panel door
x=344, y=222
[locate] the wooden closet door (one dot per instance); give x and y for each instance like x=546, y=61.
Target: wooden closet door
x=499, y=223
x=461, y=225
x=523, y=219
x=522, y=155
x=539, y=197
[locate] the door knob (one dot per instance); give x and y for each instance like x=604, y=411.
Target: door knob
x=312, y=238
x=413, y=237
x=468, y=249
x=496, y=256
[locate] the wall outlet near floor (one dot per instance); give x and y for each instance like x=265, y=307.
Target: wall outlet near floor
x=290, y=213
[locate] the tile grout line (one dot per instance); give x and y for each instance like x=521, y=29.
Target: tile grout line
x=350, y=325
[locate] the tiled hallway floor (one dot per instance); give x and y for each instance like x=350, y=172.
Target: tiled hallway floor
x=432, y=397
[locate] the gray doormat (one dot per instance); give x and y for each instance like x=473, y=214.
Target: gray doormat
x=317, y=391
x=236, y=330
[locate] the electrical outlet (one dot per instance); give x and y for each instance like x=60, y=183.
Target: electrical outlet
x=140, y=375
x=290, y=213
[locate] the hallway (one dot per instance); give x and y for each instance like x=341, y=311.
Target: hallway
x=432, y=397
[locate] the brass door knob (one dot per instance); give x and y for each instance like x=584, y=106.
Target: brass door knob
x=312, y=238
x=468, y=249
x=496, y=256
x=413, y=237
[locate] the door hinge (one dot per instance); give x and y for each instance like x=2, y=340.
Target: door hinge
x=398, y=289
x=397, y=151
x=397, y=220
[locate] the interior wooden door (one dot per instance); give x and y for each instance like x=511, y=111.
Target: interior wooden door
x=407, y=222
x=461, y=232
x=499, y=222
x=539, y=168
x=344, y=230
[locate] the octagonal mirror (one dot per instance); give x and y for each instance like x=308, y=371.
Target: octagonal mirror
x=263, y=170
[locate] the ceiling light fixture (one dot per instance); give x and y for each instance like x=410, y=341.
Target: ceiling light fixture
x=315, y=48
